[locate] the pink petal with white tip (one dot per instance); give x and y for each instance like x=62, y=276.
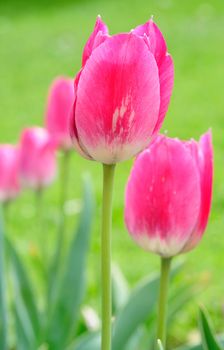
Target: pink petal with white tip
x=117, y=99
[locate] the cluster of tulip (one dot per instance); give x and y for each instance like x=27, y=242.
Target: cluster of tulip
x=112, y=112
x=32, y=164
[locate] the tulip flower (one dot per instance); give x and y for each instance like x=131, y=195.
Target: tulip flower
x=122, y=93
x=168, y=199
x=59, y=105
x=9, y=173
x=37, y=158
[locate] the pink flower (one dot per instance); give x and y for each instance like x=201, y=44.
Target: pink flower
x=60, y=101
x=168, y=195
x=37, y=158
x=122, y=92
x=9, y=175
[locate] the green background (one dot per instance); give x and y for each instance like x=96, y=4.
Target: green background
x=39, y=41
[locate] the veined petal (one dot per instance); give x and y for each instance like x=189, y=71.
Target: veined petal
x=118, y=99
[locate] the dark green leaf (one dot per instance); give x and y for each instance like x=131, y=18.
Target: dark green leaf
x=25, y=301
x=65, y=314
x=3, y=322
x=208, y=339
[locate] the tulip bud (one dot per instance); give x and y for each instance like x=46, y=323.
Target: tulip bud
x=121, y=93
x=9, y=175
x=37, y=158
x=59, y=105
x=168, y=195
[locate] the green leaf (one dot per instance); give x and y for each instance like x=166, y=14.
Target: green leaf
x=25, y=301
x=137, y=309
x=24, y=333
x=120, y=288
x=3, y=318
x=63, y=320
x=179, y=296
x=86, y=342
x=208, y=339
x=139, y=339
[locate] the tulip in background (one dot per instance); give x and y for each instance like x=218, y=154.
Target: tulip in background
x=59, y=106
x=37, y=158
x=167, y=204
x=9, y=173
x=122, y=94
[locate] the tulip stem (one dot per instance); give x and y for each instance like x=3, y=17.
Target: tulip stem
x=3, y=298
x=39, y=206
x=64, y=179
x=108, y=180
x=163, y=294
x=56, y=262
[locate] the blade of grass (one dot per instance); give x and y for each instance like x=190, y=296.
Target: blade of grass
x=3, y=318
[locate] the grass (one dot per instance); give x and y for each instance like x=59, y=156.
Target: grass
x=39, y=42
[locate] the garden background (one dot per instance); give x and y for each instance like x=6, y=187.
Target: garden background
x=40, y=40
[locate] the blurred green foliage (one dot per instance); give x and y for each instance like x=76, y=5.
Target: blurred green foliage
x=40, y=40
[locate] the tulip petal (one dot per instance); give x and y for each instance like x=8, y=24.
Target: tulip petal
x=157, y=42
x=203, y=154
x=166, y=77
x=75, y=137
x=163, y=199
x=118, y=99
x=9, y=179
x=60, y=100
x=72, y=123
x=37, y=158
x=96, y=38
x=206, y=172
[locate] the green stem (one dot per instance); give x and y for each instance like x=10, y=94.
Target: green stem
x=163, y=294
x=64, y=179
x=108, y=179
x=39, y=207
x=56, y=260
x=3, y=298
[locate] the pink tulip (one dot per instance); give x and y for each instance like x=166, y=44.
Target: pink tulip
x=60, y=101
x=37, y=158
x=122, y=92
x=168, y=195
x=9, y=175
